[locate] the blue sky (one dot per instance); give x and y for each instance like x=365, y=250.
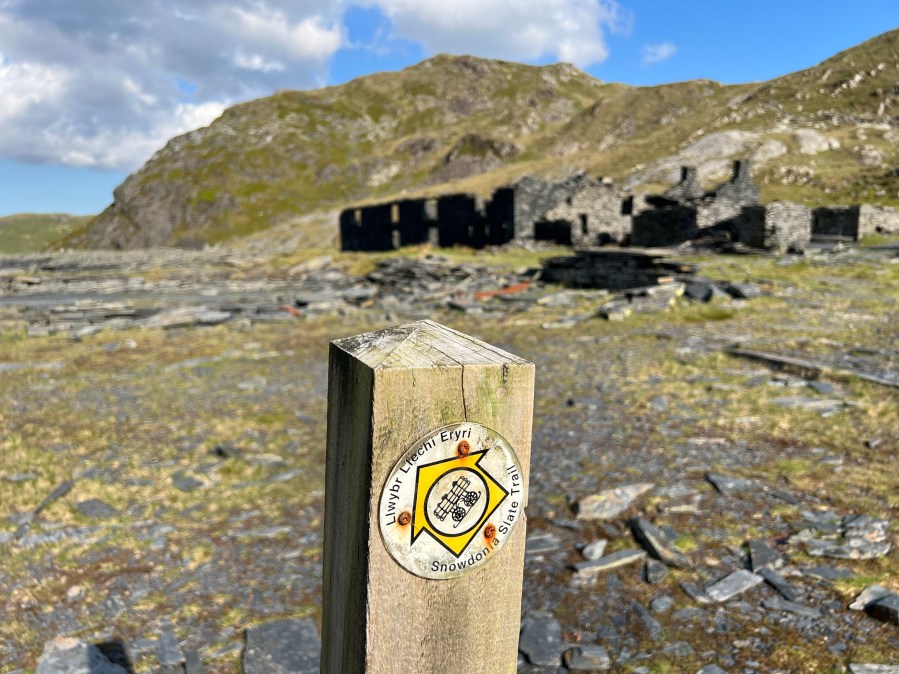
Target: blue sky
x=88, y=96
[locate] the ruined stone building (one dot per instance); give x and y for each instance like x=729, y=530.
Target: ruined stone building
x=584, y=211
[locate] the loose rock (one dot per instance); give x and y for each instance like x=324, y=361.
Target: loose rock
x=290, y=646
x=610, y=503
x=658, y=544
x=540, y=640
x=733, y=584
x=71, y=656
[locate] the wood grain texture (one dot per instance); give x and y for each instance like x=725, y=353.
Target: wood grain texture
x=386, y=390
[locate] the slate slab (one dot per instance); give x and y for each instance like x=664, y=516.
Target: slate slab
x=762, y=556
x=652, y=626
x=780, y=584
x=290, y=646
x=610, y=561
x=658, y=544
x=540, y=640
x=587, y=658
x=780, y=604
x=726, y=484
x=610, y=503
x=873, y=669
x=96, y=508
x=63, y=655
x=885, y=609
x=732, y=585
x=870, y=594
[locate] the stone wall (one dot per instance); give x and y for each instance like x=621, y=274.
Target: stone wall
x=741, y=187
x=877, y=219
x=788, y=226
x=534, y=197
x=593, y=214
x=718, y=213
x=688, y=189
x=664, y=226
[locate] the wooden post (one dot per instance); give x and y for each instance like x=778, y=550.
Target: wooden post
x=390, y=393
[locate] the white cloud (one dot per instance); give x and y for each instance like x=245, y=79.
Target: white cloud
x=570, y=30
x=656, y=53
x=105, y=83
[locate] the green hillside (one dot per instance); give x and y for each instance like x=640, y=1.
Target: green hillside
x=822, y=135
x=32, y=232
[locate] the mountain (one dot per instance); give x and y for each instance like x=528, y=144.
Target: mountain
x=458, y=123
x=32, y=232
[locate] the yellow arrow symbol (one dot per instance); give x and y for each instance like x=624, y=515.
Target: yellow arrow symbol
x=425, y=480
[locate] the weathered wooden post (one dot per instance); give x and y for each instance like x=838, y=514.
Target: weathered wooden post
x=429, y=435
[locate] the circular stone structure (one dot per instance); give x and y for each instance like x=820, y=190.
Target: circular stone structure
x=451, y=501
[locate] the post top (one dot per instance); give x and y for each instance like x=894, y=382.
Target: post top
x=423, y=344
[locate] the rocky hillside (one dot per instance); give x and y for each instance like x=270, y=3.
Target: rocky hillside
x=822, y=135
x=31, y=232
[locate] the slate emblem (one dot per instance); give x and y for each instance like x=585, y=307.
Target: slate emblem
x=451, y=501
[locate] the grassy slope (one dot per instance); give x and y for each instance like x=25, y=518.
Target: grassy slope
x=32, y=232
x=274, y=159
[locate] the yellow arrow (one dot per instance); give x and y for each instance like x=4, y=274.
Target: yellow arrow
x=426, y=478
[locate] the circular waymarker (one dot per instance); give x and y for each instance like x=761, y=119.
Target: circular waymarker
x=451, y=501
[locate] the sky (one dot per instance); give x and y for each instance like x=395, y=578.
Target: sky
x=89, y=90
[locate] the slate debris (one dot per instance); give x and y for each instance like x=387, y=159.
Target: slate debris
x=779, y=604
x=652, y=626
x=289, y=646
x=779, y=583
x=870, y=594
x=729, y=485
x=540, y=640
x=609, y=504
x=64, y=655
x=762, y=556
x=96, y=508
x=732, y=585
x=657, y=543
x=885, y=609
x=587, y=658
x=610, y=561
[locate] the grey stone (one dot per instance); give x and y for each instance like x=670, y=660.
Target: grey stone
x=866, y=528
x=652, y=626
x=587, y=658
x=711, y=669
x=541, y=542
x=823, y=406
x=168, y=651
x=779, y=604
x=63, y=655
x=540, y=640
x=688, y=613
x=290, y=646
x=610, y=561
x=873, y=669
x=192, y=663
x=827, y=573
x=654, y=571
x=762, y=556
x=658, y=544
x=695, y=593
x=661, y=604
x=21, y=477
x=729, y=485
x=854, y=549
x=679, y=649
x=885, y=609
x=609, y=504
x=185, y=482
x=869, y=594
x=822, y=387
x=594, y=550
x=733, y=584
x=96, y=508
x=779, y=583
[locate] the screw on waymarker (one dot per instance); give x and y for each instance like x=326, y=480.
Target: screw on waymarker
x=490, y=531
x=404, y=518
x=464, y=449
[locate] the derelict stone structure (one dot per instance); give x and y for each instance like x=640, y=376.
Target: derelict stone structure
x=688, y=189
x=877, y=219
x=596, y=213
x=787, y=227
x=583, y=211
